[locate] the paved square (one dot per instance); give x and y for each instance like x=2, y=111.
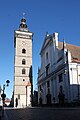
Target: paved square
x=43, y=114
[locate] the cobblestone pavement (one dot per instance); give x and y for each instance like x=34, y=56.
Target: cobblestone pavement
x=43, y=114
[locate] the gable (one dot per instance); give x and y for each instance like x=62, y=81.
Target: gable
x=47, y=40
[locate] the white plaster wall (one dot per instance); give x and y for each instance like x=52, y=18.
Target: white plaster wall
x=28, y=95
x=18, y=72
x=73, y=72
x=21, y=101
x=20, y=90
x=20, y=80
x=20, y=45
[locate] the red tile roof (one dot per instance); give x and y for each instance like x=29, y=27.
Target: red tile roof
x=75, y=51
x=29, y=84
x=7, y=100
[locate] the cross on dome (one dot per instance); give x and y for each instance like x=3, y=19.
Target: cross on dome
x=24, y=14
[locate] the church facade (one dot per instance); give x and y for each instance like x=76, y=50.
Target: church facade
x=22, y=65
x=59, y=74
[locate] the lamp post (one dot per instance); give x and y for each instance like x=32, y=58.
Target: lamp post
x=3, y=95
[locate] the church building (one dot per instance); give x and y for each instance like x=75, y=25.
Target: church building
x=22, y=65
x=59, y=73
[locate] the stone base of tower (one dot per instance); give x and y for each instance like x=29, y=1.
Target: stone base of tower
x=22, y=101
x=19, y=101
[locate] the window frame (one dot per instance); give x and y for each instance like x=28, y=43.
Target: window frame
x=23, y=71
x=23, y=61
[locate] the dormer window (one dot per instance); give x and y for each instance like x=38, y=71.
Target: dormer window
x=23, y=51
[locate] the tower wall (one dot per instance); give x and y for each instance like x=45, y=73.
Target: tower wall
x=22, y=64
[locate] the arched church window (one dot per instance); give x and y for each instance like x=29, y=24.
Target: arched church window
x=23, y=51
x=60, y=77
x=23, y=71
x=23, y=62
x=47, y=56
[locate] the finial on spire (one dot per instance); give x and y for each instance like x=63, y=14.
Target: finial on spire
x=24, y=14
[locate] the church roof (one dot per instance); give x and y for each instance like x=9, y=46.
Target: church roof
x=75, y=51
x=29, y=84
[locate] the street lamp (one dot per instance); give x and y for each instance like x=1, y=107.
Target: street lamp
x=3, y=95
x=7, y=83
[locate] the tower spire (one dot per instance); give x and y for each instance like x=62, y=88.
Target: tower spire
x=23, y=25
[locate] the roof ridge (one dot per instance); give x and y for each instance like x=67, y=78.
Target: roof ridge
x=70, y=44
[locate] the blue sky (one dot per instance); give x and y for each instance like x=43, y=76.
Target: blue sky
x=62, y=16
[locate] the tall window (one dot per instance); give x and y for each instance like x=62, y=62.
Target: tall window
x=61, y=88
x=23, y=62
x=60, y=78
x=48, y=84
x=47, y=56
x=23, y=51
x=40, y=88
x=23, y=71
x=47, y=69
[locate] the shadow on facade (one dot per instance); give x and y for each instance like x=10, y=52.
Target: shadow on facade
x=72, y=99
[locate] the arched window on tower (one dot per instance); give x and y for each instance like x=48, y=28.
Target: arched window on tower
x=23, y=62
x=23, y=71
x=23, y=51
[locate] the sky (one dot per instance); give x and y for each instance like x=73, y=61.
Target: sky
x=62, y=16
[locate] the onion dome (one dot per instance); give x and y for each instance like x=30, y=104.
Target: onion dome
x=23, y=25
